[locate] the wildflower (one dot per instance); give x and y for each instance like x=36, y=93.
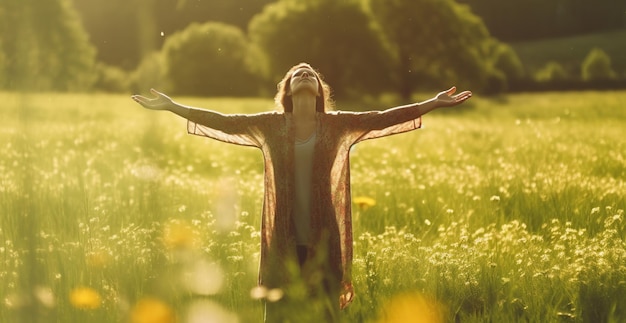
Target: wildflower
x=205, y=311
x=258, y=292
x=85, y=298
x=412, y=307
x=45, y=296
x=204, y=278
x=15, y=301
x=364, y=202
x=275, y=294
x=178, y=235
x=152, y=310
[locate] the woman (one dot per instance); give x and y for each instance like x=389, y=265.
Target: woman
x=306, y=211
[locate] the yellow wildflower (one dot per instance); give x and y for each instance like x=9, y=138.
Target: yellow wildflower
x=152, y=310
x=178, y=235
x=364, y=202
x=85, y=298
x=413, y=308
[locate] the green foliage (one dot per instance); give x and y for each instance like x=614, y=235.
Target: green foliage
x=553, y=71
x=124, y=31
x=597, y=66
x=151, y=73
x=111, y=79
x=505, y=59
x=570, y=52
x=435, y=43
x=516, y=20
x=336, y=37
x=212, y=59
x=114, y=25
x=44, y=47
x=3, y=62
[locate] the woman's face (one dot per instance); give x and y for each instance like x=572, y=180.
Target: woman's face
x=304, y=79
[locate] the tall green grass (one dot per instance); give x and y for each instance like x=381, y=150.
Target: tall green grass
x=507, y=209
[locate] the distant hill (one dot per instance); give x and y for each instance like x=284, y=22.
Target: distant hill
x=571, y=51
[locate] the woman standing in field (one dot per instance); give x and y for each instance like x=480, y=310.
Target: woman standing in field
x=306, y=230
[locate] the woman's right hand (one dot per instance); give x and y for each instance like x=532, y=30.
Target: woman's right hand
x=161, y=102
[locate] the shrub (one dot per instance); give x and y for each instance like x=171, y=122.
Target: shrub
x=496, y=82
x=597, y=66
x=151, y=73
x=553, y=71
x=505, y=59
x=212, y=59
x=110, y=79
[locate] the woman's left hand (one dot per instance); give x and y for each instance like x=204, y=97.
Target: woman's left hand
x=449, y=99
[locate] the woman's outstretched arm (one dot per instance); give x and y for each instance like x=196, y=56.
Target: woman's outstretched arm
x=162, y=102
x=374, y=124
x=443, y=99
x=240, y=129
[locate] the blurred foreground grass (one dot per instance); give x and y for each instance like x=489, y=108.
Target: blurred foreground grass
x=506, y=209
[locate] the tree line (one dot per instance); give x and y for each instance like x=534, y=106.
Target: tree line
x=112, y=24
x=242, y=47
x=521, y=20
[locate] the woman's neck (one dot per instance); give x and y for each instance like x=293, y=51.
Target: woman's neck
x=304, y=107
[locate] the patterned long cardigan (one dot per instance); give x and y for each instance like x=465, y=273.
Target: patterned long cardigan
x=331, y=219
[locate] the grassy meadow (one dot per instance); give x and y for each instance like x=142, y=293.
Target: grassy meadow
x=507, y=209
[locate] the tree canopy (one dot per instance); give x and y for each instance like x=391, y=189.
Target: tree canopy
x=434, y=42
x=115, y=26
x=336, y=37
x=211, y=59
x=43, y=46
x=360, y=46
x=597, y=66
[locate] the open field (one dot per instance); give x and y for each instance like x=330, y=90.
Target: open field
x=503, y=210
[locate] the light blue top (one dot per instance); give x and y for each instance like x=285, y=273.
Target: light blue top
x=304, y=168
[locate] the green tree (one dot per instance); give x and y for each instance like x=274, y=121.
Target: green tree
x=336, y=37
x=434, y=42
x=551, y=72
x=44, y=46
x=597, y=66
x=505, y=59
x=212, y=59
x=124, y=31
